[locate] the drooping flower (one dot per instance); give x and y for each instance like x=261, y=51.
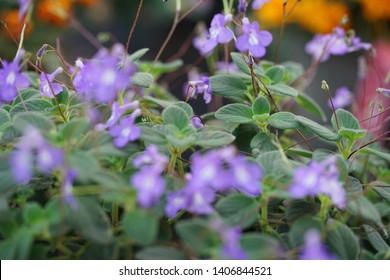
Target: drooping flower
x=319, y=178
x=69, y=175
x=126, y=131
x=201, y=86
x=342, y=98
x=253, y=40
x=11, y=79
x=257, y=4
x=24, y=5
x=47, y=85
x=33, y=145
x=337, y=43
x=148, y=181
x=313, y=248
x=219, y=33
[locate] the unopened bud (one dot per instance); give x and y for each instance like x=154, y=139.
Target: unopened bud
x=324, y=85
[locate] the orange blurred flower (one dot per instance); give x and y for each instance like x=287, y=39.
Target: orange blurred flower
x=11, y=19
x=57, y=12
x=317, y=16
x=376, y=9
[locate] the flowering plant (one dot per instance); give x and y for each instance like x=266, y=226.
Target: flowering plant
x=100, y=161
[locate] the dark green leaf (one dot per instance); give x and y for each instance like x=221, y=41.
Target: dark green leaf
x=75, y=129
x=341, y=240
x=385, y=156
x=160, y=253
x=261, y=106
x=283, y=120
x=208, y=138
x=240, y=62
x=141, y=79
x=298, y=208
x=198, y=235
x=363, y=208
x=376, y=239
x=25, y=119
x=153, y=135
x=263, y=142
x=283, y=90
x=26, y=94
x=238, y=209
x=317, y=129
x=176, y=117
x=33, y=213
x=5, y=117
x=275, y=73
x=345, y=120
x=141, y=227
x=35, y=104
x=244, y=134
x=228, y=86
x=261, y=247
x=235, y=113
x=300, y=227
x=382, y=189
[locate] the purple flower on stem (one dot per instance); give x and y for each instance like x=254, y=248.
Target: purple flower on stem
x=384, y=91
x=67, y=187
x=201, y=86
x=11, y=79
x=151, y=158
x=336, y=43
x=253, y=40
x=313, y=248
x=247, y=176
x=241, y=6
x=257, y=4
x=319, y=178
x=117, y=111
x=24, y=5
x=47, y=86
x=150, y=186
x=126, y=131
x=219, y=33
x=342, y=98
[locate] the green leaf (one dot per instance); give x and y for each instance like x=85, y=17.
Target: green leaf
x=5, y=119
x=208, y=138
x=261, y=106
x=235, y=113
x=317, y=129
x=363, y=208
x=244, y=133
x=162, y=103
x=26, y=94
x=293, y=70
x=138, y=54
x=160, y=253
x=154, y=135
x=240, y=62
x=261, y=247
x=141, y=227
x=300, y=227
x=308, y=103
x=370, y=151
x=161, y=68
x=275, y=73
x=33, y=213
x=229, y=87
x=382, y=189
x=186, y=107
x=35, y=119
x=298, y=208
x=267, y=161
x=263, y=142
x=75, y=129
x=198, y=235
x=62, y=97
x=35, y=104
x=283, y=90
x=90, y=220
x=345, y=120
x=376, y=239
x=175, y=116
x=341, y=240
x=238, y=209
x=352, y=134
x=142, y=80
x=283, y=120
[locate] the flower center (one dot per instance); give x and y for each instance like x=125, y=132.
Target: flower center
x=253, y=40
x=126, y=132
x=108, y=77
x=11, y=78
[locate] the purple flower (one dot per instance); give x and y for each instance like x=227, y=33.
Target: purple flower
x=342, y=98
x=24, y=5
x=176, y=202
x=101, y=79
x=219, y=33
x=200, y=40
x=152, y=158
x=241, y=6
x=384, y=91
x=199, y=87
x=67, y=186
x=126, y=131
x=247, y=176
x=47, y=86
x=253, y=40
x=313, y=248
x=197, y=122
x=150, y=186
x=11, y=79
x=33, y=144
x=336, y=43
x=319, y=178
x=117, y=111
x=257, y=4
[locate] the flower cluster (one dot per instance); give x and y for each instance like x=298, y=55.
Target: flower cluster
x=215, y=171
x=319, y=178
x=104, y=76
x=11, y=80
x=336, y=43
x=148, y=181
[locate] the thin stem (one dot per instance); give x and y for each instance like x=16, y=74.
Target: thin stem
x=133, y=26
x=85, y=33
x=333, y=108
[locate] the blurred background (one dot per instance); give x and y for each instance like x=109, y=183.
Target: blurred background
x=79, y=27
